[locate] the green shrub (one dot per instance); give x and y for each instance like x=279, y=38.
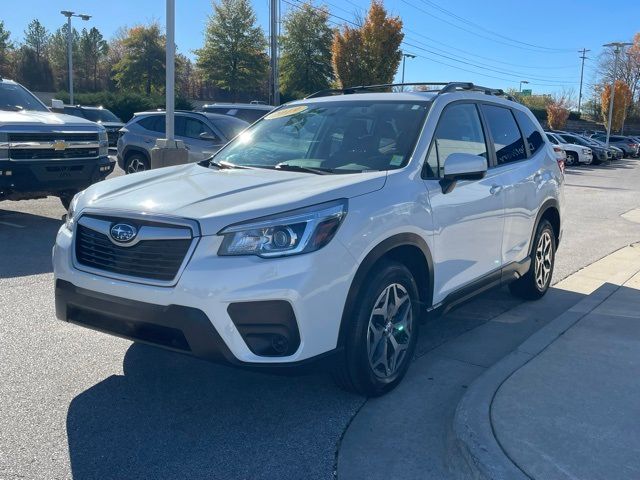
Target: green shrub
x=123, y=105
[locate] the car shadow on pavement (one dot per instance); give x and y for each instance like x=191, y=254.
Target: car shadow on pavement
x=173, y=416
x=26, y=241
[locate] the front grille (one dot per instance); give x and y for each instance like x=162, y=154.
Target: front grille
x=151, y=259
x=50, y=153
x=52, y=137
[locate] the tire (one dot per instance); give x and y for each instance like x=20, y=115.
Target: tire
x=535, y=283
x=136, y=162
x=370, y=364
x=572, y=159
x=65, y=198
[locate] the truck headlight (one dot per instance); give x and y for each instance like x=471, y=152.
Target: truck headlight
x=103, y=142
x=71, y=213
x=298, y=231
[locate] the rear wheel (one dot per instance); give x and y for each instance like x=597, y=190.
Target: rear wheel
x=136, y=162
x=535, y=283
x=382, y=333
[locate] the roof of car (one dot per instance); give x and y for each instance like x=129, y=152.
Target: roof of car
x=210, y=116
x=247, y=106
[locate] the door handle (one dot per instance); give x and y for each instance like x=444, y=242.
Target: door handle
x=495, y=189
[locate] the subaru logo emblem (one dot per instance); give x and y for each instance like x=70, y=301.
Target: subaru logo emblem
x=123, y=232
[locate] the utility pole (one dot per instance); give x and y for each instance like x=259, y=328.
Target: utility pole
x=84, y=17
x=404, y=57
x=618, y=46
x=583, y=57
x=273, y=28
x=521, y=82
x=170, y=76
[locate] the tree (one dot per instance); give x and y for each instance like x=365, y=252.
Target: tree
x=6, y=51
x=233, y=55
x=93, y=48
x=36, y=37
x=621, y=101
x=36, y=75
x=305, y=66
x=141, y=67
x=369, y=54
x=558, y=111
x=57, y=49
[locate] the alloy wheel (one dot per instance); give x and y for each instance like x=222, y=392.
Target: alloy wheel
x=136, y=165
x=389, y=331
x=543, y=260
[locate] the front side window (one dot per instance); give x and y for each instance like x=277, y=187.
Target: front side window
x=100, y=115
x=191, y=127
x=530, y=131
x=505, y=133
x=335, y=136
x=459, y=131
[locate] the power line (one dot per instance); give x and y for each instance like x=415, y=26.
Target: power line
x=473, y=24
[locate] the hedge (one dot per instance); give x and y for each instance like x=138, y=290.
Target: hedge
x=123, y=105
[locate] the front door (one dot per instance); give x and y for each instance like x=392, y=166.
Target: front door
x=468, y=220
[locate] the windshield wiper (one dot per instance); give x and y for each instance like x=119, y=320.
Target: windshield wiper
x=300, y=168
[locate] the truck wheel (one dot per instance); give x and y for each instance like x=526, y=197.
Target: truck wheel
x=382, y=333
x=66, y=197
x=535, y=283
x=136, y=162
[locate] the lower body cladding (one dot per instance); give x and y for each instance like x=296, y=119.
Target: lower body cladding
x=22, y=179
x=243, y=311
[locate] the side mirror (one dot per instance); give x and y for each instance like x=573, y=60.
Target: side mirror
x=462, y=166
x=208, y=136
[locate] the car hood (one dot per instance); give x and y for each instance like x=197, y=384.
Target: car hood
x=218, y=198
x=31, y=117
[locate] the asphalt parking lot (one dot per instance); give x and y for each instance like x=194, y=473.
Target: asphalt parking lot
x=79, y=404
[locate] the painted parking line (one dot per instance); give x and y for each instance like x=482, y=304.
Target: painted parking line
x=9, y=224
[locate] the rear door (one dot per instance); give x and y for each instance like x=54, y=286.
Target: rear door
x=468, y=220
x=520, y=161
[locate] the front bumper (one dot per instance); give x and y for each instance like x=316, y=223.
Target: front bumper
x=197, y=316
x=19, y=178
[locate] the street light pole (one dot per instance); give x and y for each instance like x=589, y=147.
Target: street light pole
x=618, y=48
x=404, y=57
x=521, y=82
x=273, y=27
x=170, y=77
x=583, y=57
x=84, y=17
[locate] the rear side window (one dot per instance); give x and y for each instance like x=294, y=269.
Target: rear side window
x=530, y=131
x=506, y=135
x=154, y=123
x=459, y=131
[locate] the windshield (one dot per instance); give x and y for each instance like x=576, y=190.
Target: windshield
x=338, y=137
x=15, y=97
x=100, y=115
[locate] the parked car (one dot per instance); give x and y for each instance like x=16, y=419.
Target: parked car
x=95, y=114
x=323, y=233
x=599, y=152
x=627, y=145
x=44, y=153
x=616, y=153
x=249, y=112
x=576, y=154
x=202, y=133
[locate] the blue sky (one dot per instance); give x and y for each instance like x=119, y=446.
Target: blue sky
x=494, y=43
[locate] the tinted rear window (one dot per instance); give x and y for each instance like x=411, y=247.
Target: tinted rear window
x=531, y=133
x=506, y=135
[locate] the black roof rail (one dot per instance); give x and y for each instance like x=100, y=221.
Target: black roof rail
x=447, y=87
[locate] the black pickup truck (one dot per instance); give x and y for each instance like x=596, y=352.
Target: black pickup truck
x=44, y=153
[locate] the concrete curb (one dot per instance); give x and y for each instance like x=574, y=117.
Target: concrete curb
x=475, y=451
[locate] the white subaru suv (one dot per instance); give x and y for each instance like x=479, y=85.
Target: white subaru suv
x=322, y=234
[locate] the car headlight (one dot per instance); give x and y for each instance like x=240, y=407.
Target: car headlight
x=71, y=213
x=586, y=151
x=103, y=143
x=298, y=231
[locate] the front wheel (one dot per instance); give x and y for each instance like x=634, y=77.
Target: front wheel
x=136, y=163
x=535, y=283
x=382, y=333
x=572, y=159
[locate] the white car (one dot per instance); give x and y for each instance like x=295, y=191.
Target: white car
x=323, y=233
x=576, y=154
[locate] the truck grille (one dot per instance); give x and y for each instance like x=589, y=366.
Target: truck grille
x=150, y=259
x=52, y=145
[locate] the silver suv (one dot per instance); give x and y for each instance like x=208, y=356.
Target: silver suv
x=202, y=133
